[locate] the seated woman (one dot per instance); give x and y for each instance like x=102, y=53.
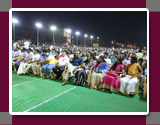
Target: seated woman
x=75, y=62
x=82, y=73
x=111, y=79
x=60, y=66
x=95, y=75
x=128, y=82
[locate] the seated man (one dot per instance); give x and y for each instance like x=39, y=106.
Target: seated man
x=49, y=63
x=75, y=62
x=23, y=65
x=35, y=64
x=129, y=82
x=35, y=59
x=60, y=66
x=19, y=59
x=141, y=79
x=16, y=55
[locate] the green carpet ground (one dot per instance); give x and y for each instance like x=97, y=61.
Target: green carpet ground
x=33, y=93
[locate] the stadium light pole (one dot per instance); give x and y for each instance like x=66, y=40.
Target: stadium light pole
x=85, y=37
x=38, y=25
x=53, y=28
x=112, y=43
x=97, y=39
x=14, y=21
x=69, y=32
x=77, y=34
x=91, y=40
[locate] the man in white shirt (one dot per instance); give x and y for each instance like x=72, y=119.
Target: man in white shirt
x=35, y=65
x=17, y=52
x=26, y=45
x=23, y=66
x=126, y=61
x=18, y=57
x=15, y=45
x=35, y=58
x=107, y=59
x=59, y=68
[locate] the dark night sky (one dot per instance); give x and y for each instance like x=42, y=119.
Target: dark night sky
x=120, y=26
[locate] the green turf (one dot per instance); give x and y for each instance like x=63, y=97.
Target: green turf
x=80, y=99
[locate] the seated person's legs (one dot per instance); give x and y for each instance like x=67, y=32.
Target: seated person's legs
x=67, y=74
x=44, y=67
x=59, y=73
x=123, y=82
x=53, y=72
x=131, y=85
x=33, y=67
x=48, y=69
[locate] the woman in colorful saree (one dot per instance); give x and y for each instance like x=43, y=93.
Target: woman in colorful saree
x=96, y=74
x=111, y=79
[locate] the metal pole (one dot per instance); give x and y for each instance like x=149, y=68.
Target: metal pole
x=85, y=42
x=37, y=36
x=70, y=40
x=53, y=39
x=91, y=42
x=77, y=40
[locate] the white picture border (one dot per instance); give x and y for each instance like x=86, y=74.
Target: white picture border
x=73, y=9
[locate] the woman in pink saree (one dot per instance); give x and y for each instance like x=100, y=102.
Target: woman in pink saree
x=111, y=79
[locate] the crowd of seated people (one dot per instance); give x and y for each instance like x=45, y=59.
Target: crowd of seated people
x=118, y=70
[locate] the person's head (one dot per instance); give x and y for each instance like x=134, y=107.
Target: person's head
x=29, y=50
x=53, y=51
x=57, y=53
x=101, y=59
x=84, y=53
x=45, y=52
x=119, y=60
x=105, y=55
x=64, y=53
x=140, y=51
x=23, y=50
x=140, y=61
x=35, y=51
x=76, y=54
x=123, y=57
x=69, y=52
x=127, y=56
x=90, y=56
x=133, y=59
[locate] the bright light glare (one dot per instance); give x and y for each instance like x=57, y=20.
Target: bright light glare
x=39, y=25
x=68, y=30
x=15, y=21
x=91, y=37
x=53, y=27
x=85, y=35
x=77, y=33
